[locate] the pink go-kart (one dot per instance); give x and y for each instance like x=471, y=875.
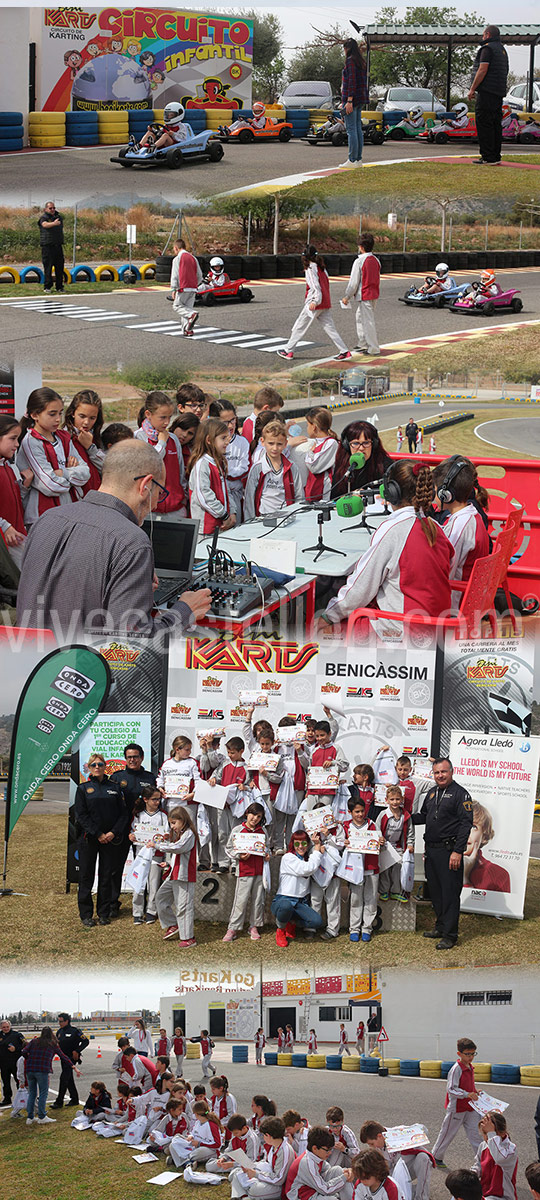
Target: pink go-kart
x=486, y=306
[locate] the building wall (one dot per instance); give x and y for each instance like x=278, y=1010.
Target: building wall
x=14, y=59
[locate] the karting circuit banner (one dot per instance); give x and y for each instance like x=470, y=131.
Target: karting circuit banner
x=500, y=771
x=114, y=58
x=488, y=684
x=380, y=695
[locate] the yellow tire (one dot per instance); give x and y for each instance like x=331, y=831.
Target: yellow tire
x=12, y=272
x=350, y=1064
x=284, y=1060
x=317, y=1062
x=158, y=115
x=148, y=269
x=430, y=1069
x=112, y=139
x=58, y=139
x=100, y=271
x=530, y=1069
x=36, y=129
x=193, y=1049
x=482, y=1072
x=113, y=126
x=113, y=117
x=47, y=118
x=529, y=1081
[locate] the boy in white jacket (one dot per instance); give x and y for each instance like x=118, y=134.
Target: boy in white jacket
x=265, y=1180
x=312, y=1175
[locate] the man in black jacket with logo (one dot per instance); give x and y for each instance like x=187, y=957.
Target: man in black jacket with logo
x=51, y=238
x=130, y=781
x=411, y=433
x=489, y=84
x=101, y=815
x=11, y=1045
x=72, y=1042
x=448, y=817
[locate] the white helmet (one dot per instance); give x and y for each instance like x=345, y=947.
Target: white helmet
x=258, y=109
x=460, y=109
x=173, y=111
x=216, y=264
x=416, y=112
x=442, y=269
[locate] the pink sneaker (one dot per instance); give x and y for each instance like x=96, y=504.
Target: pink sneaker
x=254, y=934
x=187, y=942
x=171, y=932
x=229, y=936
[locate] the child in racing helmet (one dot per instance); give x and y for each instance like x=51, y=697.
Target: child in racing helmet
x=460, y=117
x=175, y=130
x=487, y=286
x=257, y=121
x=415, y=118
x=217, y=276
x=442, y=283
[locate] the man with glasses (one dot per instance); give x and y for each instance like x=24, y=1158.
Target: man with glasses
x=90, y=566
x=130, y=781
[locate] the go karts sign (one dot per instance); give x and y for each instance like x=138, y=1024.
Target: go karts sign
x=113, y=58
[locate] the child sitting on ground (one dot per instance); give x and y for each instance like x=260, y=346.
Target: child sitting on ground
x=418, y=1161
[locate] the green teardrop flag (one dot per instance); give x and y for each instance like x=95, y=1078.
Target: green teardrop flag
x=60, y=699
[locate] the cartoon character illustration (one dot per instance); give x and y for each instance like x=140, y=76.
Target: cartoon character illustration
x=93, y=49
x=156, y=78
x=73, y=59
x=147, y=59
x=215, y=96
x=131, y=47
x=117, y=46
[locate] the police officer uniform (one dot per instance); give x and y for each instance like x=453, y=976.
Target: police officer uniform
x=447, y=815
x=130, y=783
x=99, y=808
x=71, y=1041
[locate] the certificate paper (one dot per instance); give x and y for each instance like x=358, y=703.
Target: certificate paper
x=259, y=699
x=249, y=843
x=405, y=1137
x=319, y=820
x=323, y=779
x=486, y=1104
x=263, y=762
x=213, y=797
x=363, y=841
x=291, y=733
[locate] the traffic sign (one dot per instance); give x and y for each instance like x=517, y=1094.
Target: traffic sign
x=383, y=1036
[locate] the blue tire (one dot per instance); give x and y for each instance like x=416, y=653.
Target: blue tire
x=85, y=118
x=82, y=139
x=7, y=132
x=446, y=1066
x=11, y=118
x=127, y=270
x=11, y=144
x=27, y=271
x=271, y=1060
x=299, y=1060
x=85, y=129
x=82, y=272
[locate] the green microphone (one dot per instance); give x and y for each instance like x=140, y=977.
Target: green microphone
x=349, y=506
x=357, y=461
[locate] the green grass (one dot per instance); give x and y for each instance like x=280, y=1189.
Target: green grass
x=44, y=927
x=9, y=290
x=461, y=439
x=516, y=354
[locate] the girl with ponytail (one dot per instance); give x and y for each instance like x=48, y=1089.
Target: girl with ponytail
x=48, y=451
x=13, y=489
x=463, y=502
x=317, y=307
x=407, y=566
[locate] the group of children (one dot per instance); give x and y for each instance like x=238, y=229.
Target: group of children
x=269, y=802
x=269, y=1157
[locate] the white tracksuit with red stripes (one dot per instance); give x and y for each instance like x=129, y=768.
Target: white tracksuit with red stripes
x=320, y=460
x=271, y=1174
x=459, y=1084
x=496, y=1163
x=310, y=1179
x=466, y=531
x=419, y=1163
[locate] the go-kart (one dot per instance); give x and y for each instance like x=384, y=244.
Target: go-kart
x=445, y=131
x=272, y=130
x=486, y=306
x=235, y=291
x=405, y=129
x=373, y=131
x=198, y=145
x=529, y=132
x=415, y=297
x=511, y=129
x=329, y=134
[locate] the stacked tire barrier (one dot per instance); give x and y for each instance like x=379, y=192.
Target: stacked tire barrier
x=240, y=1054
x=350, y=1063
x=299, y=119
x=82, y=129
x=369, y=1065
x=138, y=121
x=507, y=1073
x=219, y=116
x=299, y=1060
x=164, y=264
x=113, y=127
x=409, y=1067
x=316, y=1062
x=11, y=131
x=430, y=1069
x=193, y=1050
x=482, y=1072
x=284, y=1060
x=530, y=1076
x=333, y=1062
x=271, y=1058
x=46, y=129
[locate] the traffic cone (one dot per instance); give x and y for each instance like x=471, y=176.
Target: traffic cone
x=99, y=1054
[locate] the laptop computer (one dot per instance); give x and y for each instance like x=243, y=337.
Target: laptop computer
x=174, y=544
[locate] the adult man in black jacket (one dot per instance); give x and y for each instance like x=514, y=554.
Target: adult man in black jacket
x=130, y=781
x=51, y=237
x=447, y=816
x=489, y=84
x=411, y=433
x=11, y=1045
x=100, y=812
x=72, y=1042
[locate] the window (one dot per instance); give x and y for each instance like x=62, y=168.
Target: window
x=488, y=997
x=335, y=1014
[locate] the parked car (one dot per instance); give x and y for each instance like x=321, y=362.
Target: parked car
x=307, y=93
x=401, y=99
x=518, y=96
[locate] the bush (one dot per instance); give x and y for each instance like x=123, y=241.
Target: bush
x=148, y=377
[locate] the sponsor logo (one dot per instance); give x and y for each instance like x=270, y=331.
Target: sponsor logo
x=419, y=693
x=299, y=717
x=389, y=690
x=45, y=726
x=180, y=710
x=499, y=743
x=211, y=714
x=119, y=656
x=330, y=688
x=239, y=713
x=270, y=685
x=416, y=721
x=58, y=708
x=73, y=683
x=287, y=658
x=417, y=751
x=477, y=894
x=69, y=18
x=525, y=747
x=486, y=671
x=211, y=683
x=359, y=693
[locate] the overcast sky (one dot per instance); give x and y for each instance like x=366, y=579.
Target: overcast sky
x=63, y=988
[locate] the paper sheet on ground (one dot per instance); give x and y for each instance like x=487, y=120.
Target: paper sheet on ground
x=143, y=1158
x=213, y=797
x=164, y=1178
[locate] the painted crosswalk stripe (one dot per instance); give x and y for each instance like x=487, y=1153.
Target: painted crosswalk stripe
x=113, y=316
x=155, y=326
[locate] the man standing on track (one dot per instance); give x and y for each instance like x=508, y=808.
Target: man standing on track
x=489, y=85
x=51, y=238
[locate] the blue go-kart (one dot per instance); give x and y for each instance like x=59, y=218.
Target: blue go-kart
x=415, y=297
x=204, y=145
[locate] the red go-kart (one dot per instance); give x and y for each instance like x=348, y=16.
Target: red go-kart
x=233, y=292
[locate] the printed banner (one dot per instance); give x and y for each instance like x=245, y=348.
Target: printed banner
x=384, y=692
x=114, y=58
x=59, y=701
x=488, y=684
x=500, y=772
x=108, y=736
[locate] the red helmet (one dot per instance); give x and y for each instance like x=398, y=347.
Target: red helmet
x=259, y=109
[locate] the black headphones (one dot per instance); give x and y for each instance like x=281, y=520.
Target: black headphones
x=391, y=489
x=345, y=441
x=445, y=493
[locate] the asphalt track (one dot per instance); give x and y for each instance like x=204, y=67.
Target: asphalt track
x=512, y=433
x=86, y=175
x=392, y=1100
x=129, y=326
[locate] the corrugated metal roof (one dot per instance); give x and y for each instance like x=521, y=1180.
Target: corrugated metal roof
x=516, y=34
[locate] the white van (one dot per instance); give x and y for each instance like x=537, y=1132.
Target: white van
x=307, y=93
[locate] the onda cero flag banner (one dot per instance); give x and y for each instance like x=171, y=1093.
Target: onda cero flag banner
x=60, y=699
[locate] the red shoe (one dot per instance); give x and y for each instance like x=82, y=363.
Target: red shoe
x=290, y=930
x=281, y=939
x=171, y=932
x=187, y=942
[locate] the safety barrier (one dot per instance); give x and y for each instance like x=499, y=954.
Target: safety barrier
x=80, y=273
x=240, y=1054
x=408, y=1067
x=11, y=131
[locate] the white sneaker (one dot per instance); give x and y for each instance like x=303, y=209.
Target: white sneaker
x=347, y=164
x=29, y=1120
x=45, y=1121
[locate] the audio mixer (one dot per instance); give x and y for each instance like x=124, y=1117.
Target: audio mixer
x=233, y=595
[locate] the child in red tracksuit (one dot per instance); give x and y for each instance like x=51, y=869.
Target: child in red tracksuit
x=326, y=755
x=418, y=1161
x=362, y=876
x=397, y=829
x=321, y=457
x=460, y=1090
x=364, y=286
x=208, y=494
x=370, y=1176
x=13, y=486
x=153, y=419
x=274, y=481
x=231, y=772
x=249, y=884
x=496, y=1159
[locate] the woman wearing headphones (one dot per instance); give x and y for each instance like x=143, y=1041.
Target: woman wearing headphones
x=460, y=495
x=407, y=566
x=360, y=437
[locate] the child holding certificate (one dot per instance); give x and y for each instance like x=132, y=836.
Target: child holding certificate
x=249, y=892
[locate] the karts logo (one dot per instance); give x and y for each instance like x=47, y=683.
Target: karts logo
x=239, y=714
x=330, y=689
x=416, y=721
x=486, y=671
x=119, y=656
x=73, y=683
x=211, y=714
x=212, y=684
x=69, y=18
x=359, y=693
x=180, y=710
x=389, y=692
x=270, y=685
x=284, y=658
x=417, y=751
